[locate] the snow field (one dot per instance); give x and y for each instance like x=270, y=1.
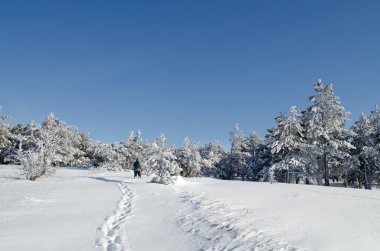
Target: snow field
x=87, y=210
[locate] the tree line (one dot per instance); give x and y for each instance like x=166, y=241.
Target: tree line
x=311, y=146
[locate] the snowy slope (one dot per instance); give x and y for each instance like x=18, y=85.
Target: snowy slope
x=285, y=216
x=87, y=210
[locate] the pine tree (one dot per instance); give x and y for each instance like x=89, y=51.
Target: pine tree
x=260, y=162
x=107, y=157
x=160, y=161
x=252, y=166
x=288, y=146
x=189, y=159
x=367, y=143
x=5, y=132
x=239, y=152
x=211, y=154
x=253, y=141
x=132, y=149
x=325, y=130
x=17, y=138
x=83, y=148
x=234, y=164
x=68, y=139
x=31, y=132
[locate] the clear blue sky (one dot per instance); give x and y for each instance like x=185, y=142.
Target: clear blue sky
x=183, y=68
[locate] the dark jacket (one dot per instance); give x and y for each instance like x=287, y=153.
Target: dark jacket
x=136, y=166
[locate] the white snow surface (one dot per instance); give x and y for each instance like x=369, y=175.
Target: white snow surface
x=90, y=210
x=179, y=180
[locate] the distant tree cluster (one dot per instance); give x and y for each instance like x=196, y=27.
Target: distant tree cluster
x=311, y=147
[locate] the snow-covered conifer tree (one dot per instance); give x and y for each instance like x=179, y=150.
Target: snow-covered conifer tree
x=253, y=162
x=108, y=157
x=68, y=138
x=82, y=146
x=239, y=152
x=22, y=138
x=5, y=139
x=161, y=140
x=325, y=130
x=2, y=117
x=17, y=137
x=235, y=163
x=160, y=161
x=132, y=149
x=189, y=159
x=253, y=141
x=367, y=143
x=260, y=162
x=288, y=147
x=5, y=132
x=211, y=154
x=31, y=132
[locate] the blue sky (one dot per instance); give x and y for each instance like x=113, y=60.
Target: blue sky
x=183, y=68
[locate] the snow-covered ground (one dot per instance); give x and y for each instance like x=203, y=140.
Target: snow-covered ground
x=92, y=210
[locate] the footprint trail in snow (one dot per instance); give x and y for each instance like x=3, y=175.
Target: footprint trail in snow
x=112, y=233
x=214, y=225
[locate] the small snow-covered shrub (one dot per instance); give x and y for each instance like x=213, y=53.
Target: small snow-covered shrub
x=166, y=180
x=33, y=165
x=38, y=161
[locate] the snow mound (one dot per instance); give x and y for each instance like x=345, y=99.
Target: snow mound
x=178, y=180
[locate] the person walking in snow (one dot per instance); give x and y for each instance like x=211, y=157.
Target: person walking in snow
x=137, y=169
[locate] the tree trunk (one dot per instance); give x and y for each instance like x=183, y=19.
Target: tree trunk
x=368, y=182
x=327, y=174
